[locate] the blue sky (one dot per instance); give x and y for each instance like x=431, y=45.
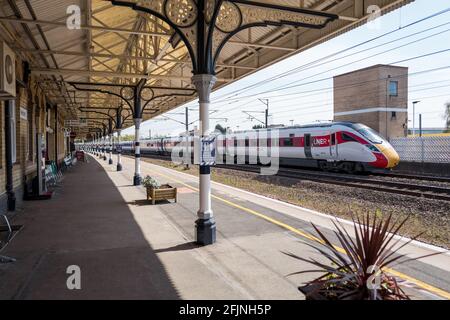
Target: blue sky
x=308, y=100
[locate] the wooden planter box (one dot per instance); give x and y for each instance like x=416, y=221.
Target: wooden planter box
x=165, y=192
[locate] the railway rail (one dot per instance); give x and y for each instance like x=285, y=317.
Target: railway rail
x=409, y=189
x=362, y=182
x=414, y=177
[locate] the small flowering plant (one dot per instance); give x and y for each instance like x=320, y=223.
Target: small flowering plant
x=150, y=182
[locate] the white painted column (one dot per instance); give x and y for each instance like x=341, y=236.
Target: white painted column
x=104, y=148
x=101, y=147
x=205, y=225
x=110, y=141
x=119, y=152
x=205, y=211
x=137, y=153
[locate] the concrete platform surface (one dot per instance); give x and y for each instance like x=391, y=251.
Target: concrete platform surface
x=128, y=249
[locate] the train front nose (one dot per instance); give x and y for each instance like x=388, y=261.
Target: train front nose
x=391, y=155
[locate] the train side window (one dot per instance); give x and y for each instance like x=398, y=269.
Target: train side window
x=235, y=142
x=246, y=142
x=347, y=137
x=333, y=139
x=289, y=142
x=291, y=137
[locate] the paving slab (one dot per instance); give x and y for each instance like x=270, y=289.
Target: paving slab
x=127, y=248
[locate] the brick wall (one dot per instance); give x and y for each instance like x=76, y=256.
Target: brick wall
x=28, y=123
x=364, y=89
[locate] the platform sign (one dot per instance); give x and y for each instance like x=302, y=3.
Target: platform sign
x=208, y=151
x=76, y=123
x=23, y=113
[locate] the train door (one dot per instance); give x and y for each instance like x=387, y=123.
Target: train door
x=308, y=153
x=333, y=146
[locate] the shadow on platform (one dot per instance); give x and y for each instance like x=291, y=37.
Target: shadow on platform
x=88, y=224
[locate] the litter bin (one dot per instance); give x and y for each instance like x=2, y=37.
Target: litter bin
x=79, y=155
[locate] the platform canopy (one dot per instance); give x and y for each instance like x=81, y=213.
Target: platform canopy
x=121, y=42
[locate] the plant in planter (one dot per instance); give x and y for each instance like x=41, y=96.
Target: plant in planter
x=150, y=183
x=156, y=191
x=357, y=270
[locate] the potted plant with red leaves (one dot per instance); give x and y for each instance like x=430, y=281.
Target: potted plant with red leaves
x=357, y=269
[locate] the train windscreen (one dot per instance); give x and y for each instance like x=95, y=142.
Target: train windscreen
x=367, y=132
x=371, y=134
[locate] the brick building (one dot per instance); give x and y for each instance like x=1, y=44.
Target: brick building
x=376, y=96
x=22, y=119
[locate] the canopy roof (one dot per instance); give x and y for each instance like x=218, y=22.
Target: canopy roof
x=119, y=45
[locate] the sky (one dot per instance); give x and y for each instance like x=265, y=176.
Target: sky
x=302, y=94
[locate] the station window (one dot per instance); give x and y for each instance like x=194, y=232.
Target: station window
x=393, y=88
x=393, y=115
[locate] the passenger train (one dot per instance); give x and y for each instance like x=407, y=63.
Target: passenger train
x=333, y=146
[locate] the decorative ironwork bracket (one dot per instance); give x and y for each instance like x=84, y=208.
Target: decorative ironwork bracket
x=118, y=117
x=134, y=95
x=205, y=26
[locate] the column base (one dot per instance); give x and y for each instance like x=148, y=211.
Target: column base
x=11, y=201
x=110, y=161
x=104, y=158
x=119, y=167
x=205, y=231
x=137, y=180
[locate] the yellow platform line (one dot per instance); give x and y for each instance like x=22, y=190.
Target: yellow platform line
x=309, y=236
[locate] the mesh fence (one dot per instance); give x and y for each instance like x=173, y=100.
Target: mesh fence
x=423, y=149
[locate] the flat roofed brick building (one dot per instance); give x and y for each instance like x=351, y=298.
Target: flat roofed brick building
x=376, y=96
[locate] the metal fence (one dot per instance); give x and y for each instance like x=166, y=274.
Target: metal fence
x=423, y=149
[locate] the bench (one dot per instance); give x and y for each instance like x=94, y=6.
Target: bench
x=48, y=176
x=6, y=235
x=67, y=163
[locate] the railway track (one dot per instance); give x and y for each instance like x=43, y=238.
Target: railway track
x=414, y=177
x=368, y=183
x=409, y=189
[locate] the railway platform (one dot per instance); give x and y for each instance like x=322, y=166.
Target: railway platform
x=127, y=248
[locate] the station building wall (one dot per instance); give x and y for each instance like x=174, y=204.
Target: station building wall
x=31, y=114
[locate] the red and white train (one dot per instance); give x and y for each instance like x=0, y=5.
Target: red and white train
x=346, y=146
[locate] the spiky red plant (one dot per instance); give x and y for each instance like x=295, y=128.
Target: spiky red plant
x=357, y=270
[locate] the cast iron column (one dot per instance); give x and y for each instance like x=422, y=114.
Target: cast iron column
x=205, y=225
x=96, y=144
x=137, y=123
x=110, y=140
x=110, y=148
x=119, y=152
x=105, y=135
x=137, y=153
x=9, y=160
